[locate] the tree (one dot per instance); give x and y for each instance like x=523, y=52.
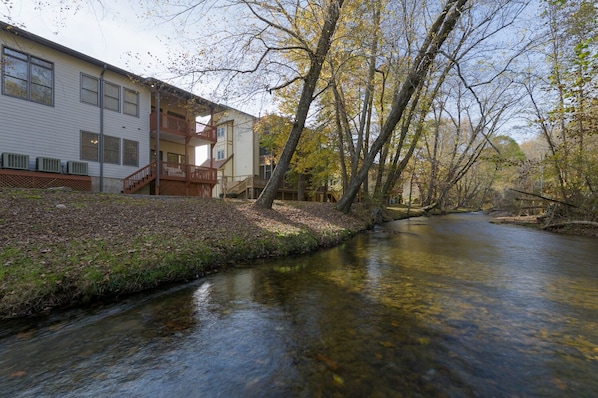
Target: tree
x=265, y=36
x=313, y=163
x=317, y=59
x=564, y=100
x=435, y=37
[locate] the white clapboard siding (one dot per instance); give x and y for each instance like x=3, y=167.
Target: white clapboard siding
x=54, y=131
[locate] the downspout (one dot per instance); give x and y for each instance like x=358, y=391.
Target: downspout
x=101, y=146
x=211, y=154
x=188, y=135
x=158, y=160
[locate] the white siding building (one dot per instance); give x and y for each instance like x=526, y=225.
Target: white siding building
x=236, y=153
x=67, y=119
x=50, y=107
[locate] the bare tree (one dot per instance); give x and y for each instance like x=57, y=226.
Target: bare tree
x=317, y=59
x=435, y=37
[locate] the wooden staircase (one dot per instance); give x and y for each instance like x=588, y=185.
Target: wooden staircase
x=140, y=178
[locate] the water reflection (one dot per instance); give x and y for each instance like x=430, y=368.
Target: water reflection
x=449, y=306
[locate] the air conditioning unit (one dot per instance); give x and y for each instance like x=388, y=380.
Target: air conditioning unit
x=15, y=161
x=49, y=165
x=78, y=168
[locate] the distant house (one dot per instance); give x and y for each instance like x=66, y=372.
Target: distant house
x=235, y=153
x=67, y=119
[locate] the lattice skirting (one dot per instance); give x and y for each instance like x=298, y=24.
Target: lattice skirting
x=180, y=188
x=27, y=179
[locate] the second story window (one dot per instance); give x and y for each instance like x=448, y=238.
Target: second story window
x=221, y=131
x=220, y=154
x=111, y=96
x=90, y=90
x=131, y=102
x=27, y=77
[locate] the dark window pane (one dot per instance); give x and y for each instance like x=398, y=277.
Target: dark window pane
x=27, y=77
x=89, y=146
x=41, y=76
x=41, y=94
x=41, y=62
x=15, y=54
x=15, y=68
x=111, y=149
x=130, y=153
x=15, y=87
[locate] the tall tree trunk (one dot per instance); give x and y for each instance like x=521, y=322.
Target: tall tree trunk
x=301, y=187
x=364, y=120
x=268, y=195
x=436, y=36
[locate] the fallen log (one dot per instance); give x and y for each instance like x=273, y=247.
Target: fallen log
x=543, y=197
x=429, y=207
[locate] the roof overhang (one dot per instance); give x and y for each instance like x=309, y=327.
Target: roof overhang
x=202, y=106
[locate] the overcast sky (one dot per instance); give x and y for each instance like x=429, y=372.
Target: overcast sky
x=110, y=33
x=113, y=31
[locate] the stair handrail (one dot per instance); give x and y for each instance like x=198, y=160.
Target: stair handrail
x=131, y=183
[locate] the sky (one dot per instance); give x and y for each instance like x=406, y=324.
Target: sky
x=117, y=32
x=113, y=31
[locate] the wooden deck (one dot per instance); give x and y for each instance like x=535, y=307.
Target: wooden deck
x=175, y=179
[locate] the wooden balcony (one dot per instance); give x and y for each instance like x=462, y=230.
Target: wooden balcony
x=188, y=172
x=175, y=178
x=186, y=132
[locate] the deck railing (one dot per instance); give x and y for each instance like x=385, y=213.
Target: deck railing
x=182, y=127
x=169, y=171
x=139, y=178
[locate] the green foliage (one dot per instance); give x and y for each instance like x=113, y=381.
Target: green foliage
x=314, y=157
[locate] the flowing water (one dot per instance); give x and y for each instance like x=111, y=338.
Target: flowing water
x=448, y=306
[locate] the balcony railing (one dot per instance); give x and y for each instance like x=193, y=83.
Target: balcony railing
x=169, y=171
x=189, y=172
x=178, y=126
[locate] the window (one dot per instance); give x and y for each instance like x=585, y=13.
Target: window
x=90, y=89
x=111, y=96
x=175, y=158
x=130, y=153
x=27, y=77
x=90, y=149
x=265, y=172
x=220, y=154
x=111, y=149
x=131, y=102
x=220, y=131
x=90, y=94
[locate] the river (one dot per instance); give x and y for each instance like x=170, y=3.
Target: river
x=450, y=306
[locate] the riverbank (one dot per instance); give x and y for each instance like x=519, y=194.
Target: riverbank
x=60, y=248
